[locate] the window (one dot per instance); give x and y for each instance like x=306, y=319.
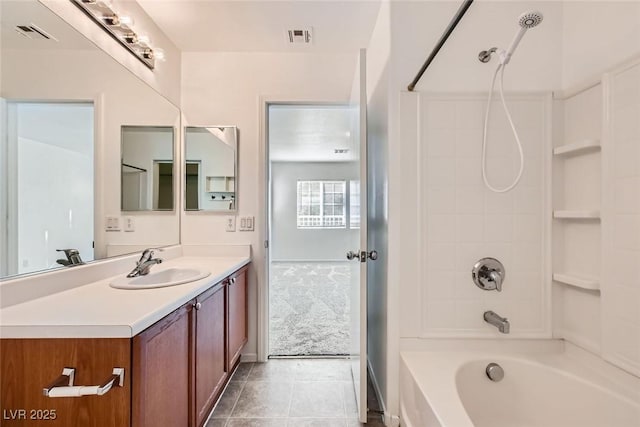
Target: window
x=354, y=204
x=321, y=204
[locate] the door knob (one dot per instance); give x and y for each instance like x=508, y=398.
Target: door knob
x=373, y=255
x=351, y=255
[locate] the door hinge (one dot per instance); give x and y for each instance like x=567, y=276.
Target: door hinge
x=266, y=244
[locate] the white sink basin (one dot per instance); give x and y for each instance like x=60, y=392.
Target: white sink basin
x=163, y=278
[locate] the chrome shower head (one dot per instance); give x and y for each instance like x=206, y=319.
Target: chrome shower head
x=530, y=19
x=526, y=21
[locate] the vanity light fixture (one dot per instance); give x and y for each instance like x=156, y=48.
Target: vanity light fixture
x=120, y=28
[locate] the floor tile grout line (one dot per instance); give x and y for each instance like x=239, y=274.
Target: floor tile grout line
x=244, y=383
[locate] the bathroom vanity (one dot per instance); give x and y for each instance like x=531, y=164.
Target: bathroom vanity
x=178, y=347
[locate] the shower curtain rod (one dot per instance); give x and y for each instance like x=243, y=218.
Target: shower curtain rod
x=452, y=25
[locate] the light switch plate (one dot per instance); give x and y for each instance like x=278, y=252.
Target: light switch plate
x=246, y=223
x=129, y=224
x=231, y=223
x=112, y=223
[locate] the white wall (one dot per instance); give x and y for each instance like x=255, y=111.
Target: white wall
x=288, y=242
x=418, y=25
x=228, y=88
x=621, y=221
x=596, y=36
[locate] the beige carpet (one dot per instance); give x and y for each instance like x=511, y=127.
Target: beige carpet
x=309, y=308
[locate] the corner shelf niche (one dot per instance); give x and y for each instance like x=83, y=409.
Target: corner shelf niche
x=577, y=214
x=580, y=147
x=590, y=284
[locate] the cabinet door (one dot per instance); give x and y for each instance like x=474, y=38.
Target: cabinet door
x=29, y=365
x=210, y=364
x=237, y=315
x=161, y=372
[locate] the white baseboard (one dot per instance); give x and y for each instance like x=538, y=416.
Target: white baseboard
x=249, y=357
x=376, y=389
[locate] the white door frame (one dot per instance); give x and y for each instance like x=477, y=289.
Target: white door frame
x=263, y=206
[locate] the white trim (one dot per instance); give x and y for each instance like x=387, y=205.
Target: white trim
x=376, y=389
x=345, y=261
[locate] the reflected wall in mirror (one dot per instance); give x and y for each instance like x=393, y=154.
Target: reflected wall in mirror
x=63, y=103
x=147, y=168
x=211, y=164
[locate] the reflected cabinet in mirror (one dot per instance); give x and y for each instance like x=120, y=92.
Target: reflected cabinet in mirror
x=147, y=168
x=211, y=164
x=63, y=106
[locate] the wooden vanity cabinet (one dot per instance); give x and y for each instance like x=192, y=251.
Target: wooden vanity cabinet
x=161, y=371
x=175, y=370
x=182, y=363
x=30, y=364
x=209, y=364
x=236, y=316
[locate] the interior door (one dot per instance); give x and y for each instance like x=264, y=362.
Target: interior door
x=359, y=255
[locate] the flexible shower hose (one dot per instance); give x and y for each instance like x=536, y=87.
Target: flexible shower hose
x=500, y=70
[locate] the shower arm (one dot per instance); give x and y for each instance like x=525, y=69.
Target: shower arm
x=485, y=55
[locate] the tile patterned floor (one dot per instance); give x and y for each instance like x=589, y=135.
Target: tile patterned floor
x=309, y=308
x=291, y=393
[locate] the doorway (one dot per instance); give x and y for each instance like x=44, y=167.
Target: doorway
x=313, y=216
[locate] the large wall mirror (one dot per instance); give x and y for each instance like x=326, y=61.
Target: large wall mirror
x=64, y=105
x=211, y=165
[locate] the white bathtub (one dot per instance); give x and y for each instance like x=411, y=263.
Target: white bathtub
x=561, y=389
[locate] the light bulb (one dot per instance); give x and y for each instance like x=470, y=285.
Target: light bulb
x=126, y=20
x=144, y=39
x=159, y=54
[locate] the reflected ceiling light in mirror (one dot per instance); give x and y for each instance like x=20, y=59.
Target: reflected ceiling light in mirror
x=120, y=28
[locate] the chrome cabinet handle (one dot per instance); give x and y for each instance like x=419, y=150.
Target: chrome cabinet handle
x=197, y=305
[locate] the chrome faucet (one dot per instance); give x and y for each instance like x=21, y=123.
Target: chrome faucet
x=145, y=263
x=73, y=257
x=502, y=323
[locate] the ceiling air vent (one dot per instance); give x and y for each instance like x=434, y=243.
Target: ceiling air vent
x=300, y=36
x=34, y=32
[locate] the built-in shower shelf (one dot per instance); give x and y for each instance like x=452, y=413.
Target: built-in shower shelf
x=586, y=214
x=579, y=147
x=577, y=281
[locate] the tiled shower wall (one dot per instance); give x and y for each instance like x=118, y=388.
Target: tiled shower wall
x=461, y=221
x=621, y=221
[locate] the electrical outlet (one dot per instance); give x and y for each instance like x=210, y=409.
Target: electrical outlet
x=246, y=223
x=112, y=223
x=129, y=224
x=231, y=223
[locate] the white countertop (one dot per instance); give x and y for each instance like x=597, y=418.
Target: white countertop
x=96, y=310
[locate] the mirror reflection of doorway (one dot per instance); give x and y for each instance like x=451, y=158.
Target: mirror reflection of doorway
x=192, y=185
x=163, y=185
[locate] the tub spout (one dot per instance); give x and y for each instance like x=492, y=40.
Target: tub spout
x=502, y=323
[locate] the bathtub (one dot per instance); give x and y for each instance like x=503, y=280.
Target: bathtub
x=567, y=388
